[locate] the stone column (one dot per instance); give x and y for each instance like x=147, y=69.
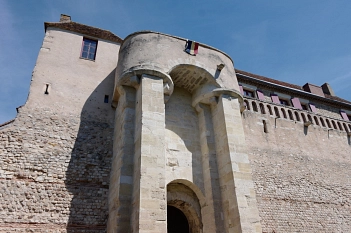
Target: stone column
x=121, y=177
x=149, y=194
x=211, y=213
x=239, y=200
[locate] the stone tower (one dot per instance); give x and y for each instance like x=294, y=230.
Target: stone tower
x=179, y=140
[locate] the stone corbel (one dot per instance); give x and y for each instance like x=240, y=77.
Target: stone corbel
x=209, y=95
x=132, y=78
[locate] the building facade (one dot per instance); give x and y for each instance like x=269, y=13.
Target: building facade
x=122, y=135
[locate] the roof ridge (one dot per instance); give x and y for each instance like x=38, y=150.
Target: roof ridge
x=275, y=81
x=290, y=85
x=85, y=29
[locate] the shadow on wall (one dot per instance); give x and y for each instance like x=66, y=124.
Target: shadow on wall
x=87, y=175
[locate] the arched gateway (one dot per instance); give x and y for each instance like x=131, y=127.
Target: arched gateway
x=176, y=220
x=179, y=154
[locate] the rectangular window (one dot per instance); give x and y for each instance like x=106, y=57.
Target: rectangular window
x=304, y=107
x=106, y=99
x=248, y=93
x=284, y=102
x=89, y=49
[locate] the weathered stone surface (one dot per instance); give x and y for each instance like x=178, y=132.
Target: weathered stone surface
x=180, y=137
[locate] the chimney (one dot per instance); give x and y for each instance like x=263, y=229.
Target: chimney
x=327, y=89
x=317, y=90
x=65, y=18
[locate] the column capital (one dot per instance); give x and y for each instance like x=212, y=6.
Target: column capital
x=210, y=95
x=131, y=77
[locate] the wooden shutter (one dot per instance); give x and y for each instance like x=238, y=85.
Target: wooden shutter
x=296, y=103
x=313, y=108
x=344, y=115
x=275, y=98
x=260, y=95
x=241, y=89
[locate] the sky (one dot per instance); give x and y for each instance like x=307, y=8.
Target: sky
x=296, y=41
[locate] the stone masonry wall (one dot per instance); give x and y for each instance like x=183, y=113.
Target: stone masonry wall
x=54, y=173
x=183, y=152
x=301, y=175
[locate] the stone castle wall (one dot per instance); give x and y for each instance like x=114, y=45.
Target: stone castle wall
x=68, y=162
x=56, y=156
x=54, y=173
x=301, y=174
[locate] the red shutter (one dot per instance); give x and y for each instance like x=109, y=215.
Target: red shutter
x=260, y=95
x=296, y=103
x=275, y=99
x=313, y=108
x=344, y=115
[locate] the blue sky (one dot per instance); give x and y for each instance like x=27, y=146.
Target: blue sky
x=294, y=41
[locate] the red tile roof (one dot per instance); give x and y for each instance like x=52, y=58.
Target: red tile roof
x=269, y=79
x=86, y=30
x=285, y=84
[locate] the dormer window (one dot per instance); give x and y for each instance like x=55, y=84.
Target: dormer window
x=89, y=49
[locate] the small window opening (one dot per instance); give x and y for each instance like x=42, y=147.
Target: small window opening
x=303, y=117
x=316, y=120
x=340, y=126
x=328, y=123
x=304, y=107
x=345, y=127
x=270, y=110
x=297, y=116
x=284, y=114
x=262, y=109
x=290, y=115
x=106, y=99
x=247, y=104
x=254, y=106
x=284, y=102
x=46, y=89
x=264, y=126
x=322, y=121
x=249, y=93
x=334, y=125
x=276, y=112
x=309, y=118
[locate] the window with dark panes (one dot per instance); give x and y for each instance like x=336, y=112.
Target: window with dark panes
x=284, y=102
x=248, y=93
x=89, y=49
x=304, y=107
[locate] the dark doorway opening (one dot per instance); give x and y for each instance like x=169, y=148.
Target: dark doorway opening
x=176, y=221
